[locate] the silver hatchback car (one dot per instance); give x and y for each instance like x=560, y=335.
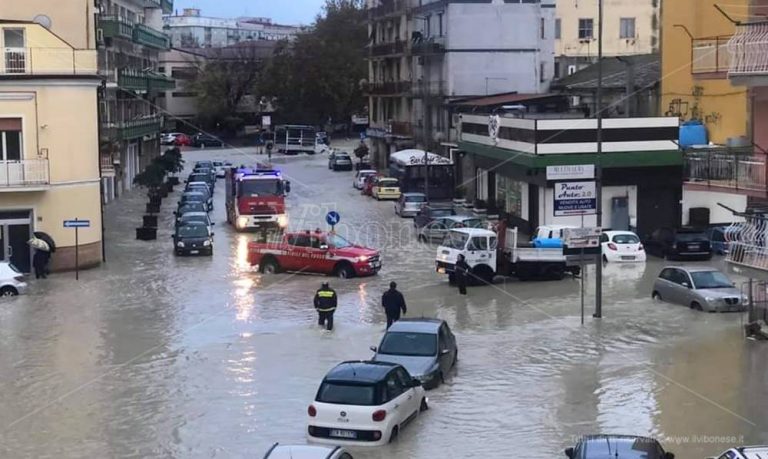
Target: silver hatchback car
x=409, y=204
x=703, y=289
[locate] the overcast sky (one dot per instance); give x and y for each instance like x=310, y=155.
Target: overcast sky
x=280, y=11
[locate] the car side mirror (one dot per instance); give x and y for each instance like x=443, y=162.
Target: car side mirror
x=445, y=351
x=415, y=382
x=213, y=223
x=323, y=246
x=686, y=285
x=668, y=455
x=569, y=452
x=374, y=348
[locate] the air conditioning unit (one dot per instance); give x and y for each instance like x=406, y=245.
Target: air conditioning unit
x=99, y=36
x=571, y=69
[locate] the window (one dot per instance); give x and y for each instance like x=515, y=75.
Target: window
x=543, y=72
x=10, y=139
x=627, y=28
x=408, y=344
x=299, y=240
x=557, y=29
x=394, y=388
x=184, y=94
x=542, y=30
x=585, y=28
x=478, y=243
x=440, y=24
x=347, y=394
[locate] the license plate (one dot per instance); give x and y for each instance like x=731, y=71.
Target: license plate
x=194, y=252
x=627, y=258
x=343, y=433
x=694, y=246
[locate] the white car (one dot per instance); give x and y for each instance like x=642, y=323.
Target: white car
x=221, y=168
x=364, y=404
x=278, y=451
x=359, y=181
x=169, y=138
x=622, y=247
x=11, y=280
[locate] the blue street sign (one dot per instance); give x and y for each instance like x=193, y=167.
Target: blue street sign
x=362, y=135
x=77, y=223
x=332, y=218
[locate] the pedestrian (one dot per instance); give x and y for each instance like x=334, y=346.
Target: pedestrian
x=462, y=271
x=393, y=302
x=39, y=260
x=325, y=304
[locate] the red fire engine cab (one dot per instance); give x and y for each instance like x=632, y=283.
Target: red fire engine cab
x=255, y=198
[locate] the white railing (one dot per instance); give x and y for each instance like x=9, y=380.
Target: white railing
x=749, y=50
x=48, y=61
x=747, y=242
x=23, y=173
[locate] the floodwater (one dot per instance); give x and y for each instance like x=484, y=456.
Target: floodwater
x=154, y=355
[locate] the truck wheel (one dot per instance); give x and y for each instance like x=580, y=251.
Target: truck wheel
x=270, y=266
x=554, y=272
x=344, y=271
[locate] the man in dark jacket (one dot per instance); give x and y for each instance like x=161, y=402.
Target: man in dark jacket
x=325, y=304
x=393, y=302
x=462, y=271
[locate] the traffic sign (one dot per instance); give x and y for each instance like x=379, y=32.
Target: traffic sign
x=581, y=238
x=332, y=218
x=77, y=223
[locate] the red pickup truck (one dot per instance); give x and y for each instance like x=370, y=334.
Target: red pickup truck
x=314, y=252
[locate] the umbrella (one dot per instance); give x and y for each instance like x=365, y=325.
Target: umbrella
x=39, y=244
x=47, y=238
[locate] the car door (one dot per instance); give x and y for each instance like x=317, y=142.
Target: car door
x=677, y=292
x=397, y=403
x=435, y=231
x=411, y=401
x=296, y=256
x=687, y=293
x=445, y=348
x=321, y=256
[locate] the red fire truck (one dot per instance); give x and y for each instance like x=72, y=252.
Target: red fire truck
x=255, y=198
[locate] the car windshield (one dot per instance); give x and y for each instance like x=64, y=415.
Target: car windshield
x=611, y=448
x=337, y=241
x=192, y=231
x=471, y=223
x=440, y=212
x=199, y=189
x=217, y=164
x=261, y=187
x=388, y=182
x=415, y=199
x=197, y=197
x=412, y=344
x=198, y=178
x=710, y=279
x=455, y=240
x=347, y=394
x=343, y=157
x=692, y=237
x=191, y=207
x=194, y=218
x=626, y=239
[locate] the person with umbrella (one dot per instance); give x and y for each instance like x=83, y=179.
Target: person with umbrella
x=41, y=256
x=51, y=248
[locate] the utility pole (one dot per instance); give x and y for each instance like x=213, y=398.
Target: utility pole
x=599, y=166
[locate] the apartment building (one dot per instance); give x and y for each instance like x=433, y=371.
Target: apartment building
x=630, y=27
x=191, y=30
x=130, y=38
x=49, y=140
x=423, y=54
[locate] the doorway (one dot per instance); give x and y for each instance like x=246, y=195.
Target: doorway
x=15, y=231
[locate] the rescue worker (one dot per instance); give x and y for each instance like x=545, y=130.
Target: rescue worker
x=462, y=271
x=325, y=304
x=393, y=302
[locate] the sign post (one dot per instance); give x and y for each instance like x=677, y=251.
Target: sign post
x=332, y=218
x=269, y=152
x=586, y=243
x=76, y=224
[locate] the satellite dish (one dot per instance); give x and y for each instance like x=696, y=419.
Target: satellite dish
x=43, y=20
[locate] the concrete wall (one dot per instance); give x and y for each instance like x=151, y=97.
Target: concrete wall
x=72, y=20
x=646, y=37
x=709, y=199
x=497, y=47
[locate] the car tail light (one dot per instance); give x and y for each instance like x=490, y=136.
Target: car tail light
x=379, y=415
x=312, y=411
x=376, y=435
x=640, y=248
x=612, y=246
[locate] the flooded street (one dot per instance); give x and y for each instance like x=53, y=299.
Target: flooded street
x=154, y=355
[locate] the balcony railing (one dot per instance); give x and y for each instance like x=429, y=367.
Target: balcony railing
x=710, y=56
x=428, y=88
x=132, y=129
x=160, y=82
x=426, y=46
x=747, y=244
x=24, y=173
x=48, y=61
x=116, y=27
x=384, y=49
x=150, y=37
x=388, y=8
x=167, y=6
x=748, y=50
x=389, y=88
x=138, y=80
x=738, y=169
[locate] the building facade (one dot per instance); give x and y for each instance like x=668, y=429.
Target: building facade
x=49, y=163
x=630, y=27
x=130, y=38
x=422, y=54
x=191, y=30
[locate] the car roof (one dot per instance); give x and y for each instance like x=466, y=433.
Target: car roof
x=195, y=214
x=599, y=437
x=424, y=325
x=474, y=231
x=460, y=218
x=366, y=171
x=410, y=193
x=753, y=452
x=360, y=371
x=279, y=451
x=616, y=233
x=693, y=269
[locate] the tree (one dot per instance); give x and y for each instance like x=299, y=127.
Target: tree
x=317, y=77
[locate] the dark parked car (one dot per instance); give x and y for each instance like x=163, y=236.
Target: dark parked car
x=194, y=196
x=617, y=446
x=339, y=161
x=205, y=140
x=425, y=347
x=201, y=187
x=431, y=212
x=193, y=238
x=679, y=243
x=196, y=217
x=202, y=177
x=189, y=207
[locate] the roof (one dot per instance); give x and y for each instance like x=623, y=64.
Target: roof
x=474, y=231
x=360, y=371
x=647, y=69
x=424, y=325
x=501, y=99
x=416, y=157
x=694, y=269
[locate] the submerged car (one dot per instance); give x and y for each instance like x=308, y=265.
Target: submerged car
x=679, y=243
x=359, y=181
x=386, y=188
x=278, y=451
x=11, y=280
x=425, y=347
x=409, y=204
x=622, y=246
x=339, y=160
x=702, y=289
x=193, y=238
x=436, y=230
x=364, y=403
x=617, y=446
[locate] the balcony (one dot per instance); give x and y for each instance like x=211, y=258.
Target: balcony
x=428, y=89
x=747, y=251
x=167, y=6
x=133, y=129
x=116, y=27
x=429, y=46
x=710, y=57
x=387, y=49
x=748, y=49
x=138, y=80
x=24, y=175
x=47, y=61
x=389, y=88
x=740, y=170
x=160, y=82
x=388, y=8
x=150, y=37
